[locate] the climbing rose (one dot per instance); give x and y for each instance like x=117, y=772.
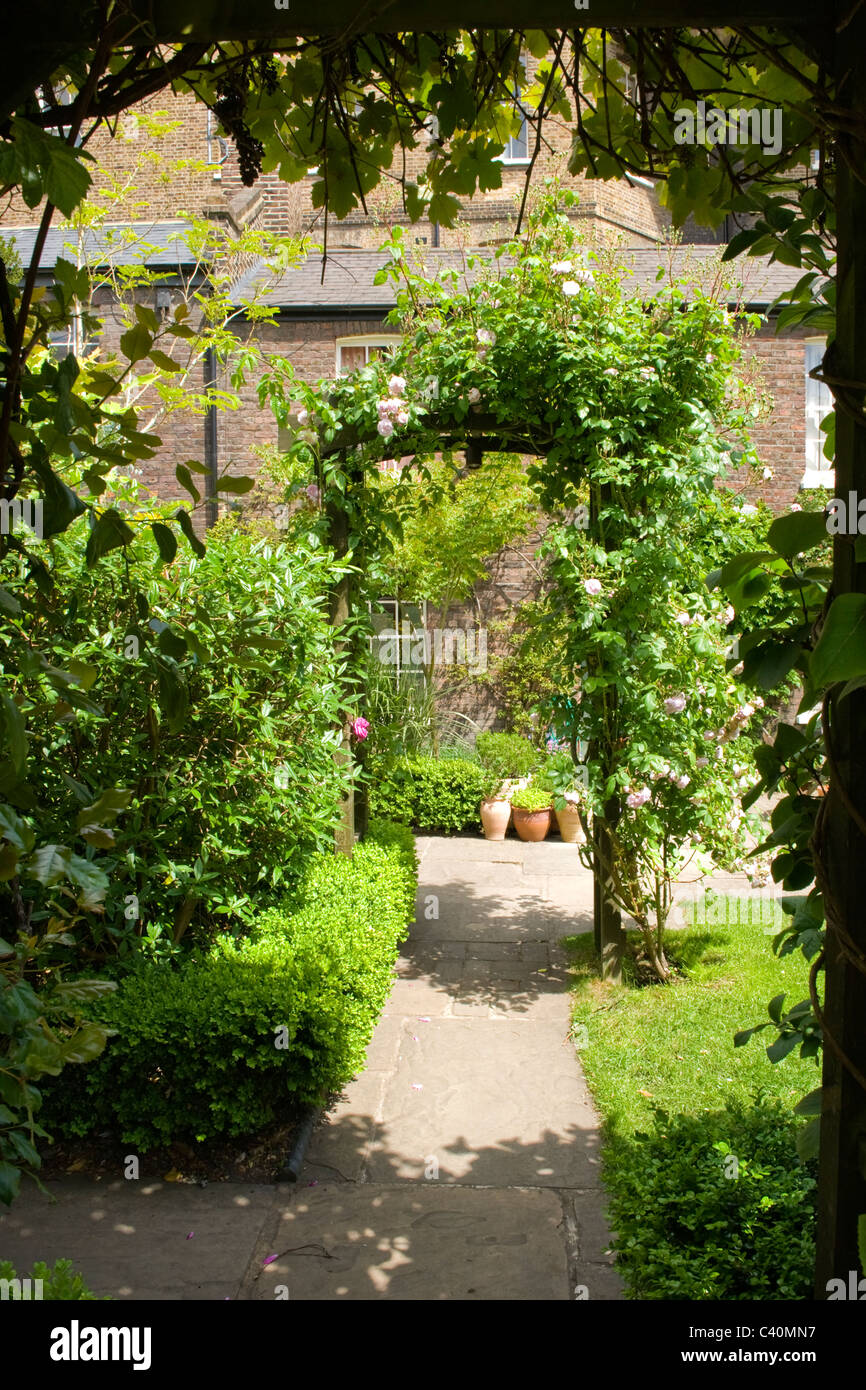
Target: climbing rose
x=675, y=704
x=639, y=798
x=474, y=395
x=570, y=287
x=683, y=619
x=360, y=728
x=385, y=428
x=486, y=336
x=682, y=782
x=729, y=614
x=592, y=586
x=402, y=417
x=397, y=386
x=303, y=417
x=313, y=492
x=561, y=267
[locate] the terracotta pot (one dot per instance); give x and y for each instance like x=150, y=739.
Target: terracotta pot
x=532, y=825
x=570, y=828
x=495, y=816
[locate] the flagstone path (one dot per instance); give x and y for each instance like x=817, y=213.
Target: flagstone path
x=462, y=1164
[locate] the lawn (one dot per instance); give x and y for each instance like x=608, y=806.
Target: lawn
x=672, y=1046
x=708, y=1199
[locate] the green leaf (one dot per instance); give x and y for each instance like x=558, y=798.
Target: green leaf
x=798, y=531
x=110, y=532
x=166, y=541
x=10, y=1181
x=810, y=1104
x=16, y=830
x=49, y=864
x=184, y=477
x=88, y=878
x=840, y=653
x=236, y=486
x=66, y=179
x=809, y=1140
x=16, y=732
x=85, y=1044
x=106, y=808
x=136, y=343
x=184, y=520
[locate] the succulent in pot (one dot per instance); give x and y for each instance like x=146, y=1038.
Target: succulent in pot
x=532, y=811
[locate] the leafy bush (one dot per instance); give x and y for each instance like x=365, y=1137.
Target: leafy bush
x=60, y=1282
x=507, y=755
x=227, y=1041
x=535, y=797
x=435, y=796
x=208, y=690
x=713, y=1206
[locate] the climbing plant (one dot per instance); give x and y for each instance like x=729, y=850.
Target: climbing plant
x=533, y=350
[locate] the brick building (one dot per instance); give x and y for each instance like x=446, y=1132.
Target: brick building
x=167, y=165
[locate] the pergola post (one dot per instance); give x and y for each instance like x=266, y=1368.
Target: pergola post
x=842, y=1163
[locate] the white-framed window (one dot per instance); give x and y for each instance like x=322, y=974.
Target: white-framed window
x=353, y=353
x=517, y=149
x=398, y=638
x=819, y=471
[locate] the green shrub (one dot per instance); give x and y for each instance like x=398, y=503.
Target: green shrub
x=60, y=1282
x=713, y=1206
x=227, y=1041
x=434, y=795
x=211, y=696
x=535, y=797
x=507, y=755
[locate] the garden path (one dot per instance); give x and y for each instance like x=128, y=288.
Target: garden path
x=462, y=1164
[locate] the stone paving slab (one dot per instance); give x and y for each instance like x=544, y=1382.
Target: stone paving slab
x=132, y=1239
x=414, y=1243
x=499, y=1102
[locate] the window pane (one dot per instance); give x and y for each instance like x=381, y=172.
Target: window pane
x=352, y=356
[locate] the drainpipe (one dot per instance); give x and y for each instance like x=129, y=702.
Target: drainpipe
x=210, y=443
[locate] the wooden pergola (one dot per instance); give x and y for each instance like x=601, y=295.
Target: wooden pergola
x=38, y=36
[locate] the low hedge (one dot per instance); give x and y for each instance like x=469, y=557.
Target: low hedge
x=436, y=796
x=713, y=1206
x=226, y=1042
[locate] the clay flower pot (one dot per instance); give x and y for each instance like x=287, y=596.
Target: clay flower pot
x=570, y=828
x=531, y=826
x=495, y=815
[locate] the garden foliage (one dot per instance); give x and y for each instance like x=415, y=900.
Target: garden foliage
x=435, y=796
x=235, y=1036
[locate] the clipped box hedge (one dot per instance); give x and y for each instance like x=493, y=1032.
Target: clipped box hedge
x=434, y=795
x=226, y=1042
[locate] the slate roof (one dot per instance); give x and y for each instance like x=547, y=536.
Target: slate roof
x=159, y=245
x=349, y=275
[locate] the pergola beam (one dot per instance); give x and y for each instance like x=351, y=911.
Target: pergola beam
x=183, y=21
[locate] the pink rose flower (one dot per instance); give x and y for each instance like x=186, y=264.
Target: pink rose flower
x=675, y=704
x=397, y=386
x=360, y=728
x=592, y=586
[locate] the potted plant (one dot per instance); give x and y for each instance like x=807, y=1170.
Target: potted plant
x=495, y=808
x=568, y=790
x=506, y=758
x=532, y=811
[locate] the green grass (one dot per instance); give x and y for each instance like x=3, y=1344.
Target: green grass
x=676, y=1041
x=706, y=1196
